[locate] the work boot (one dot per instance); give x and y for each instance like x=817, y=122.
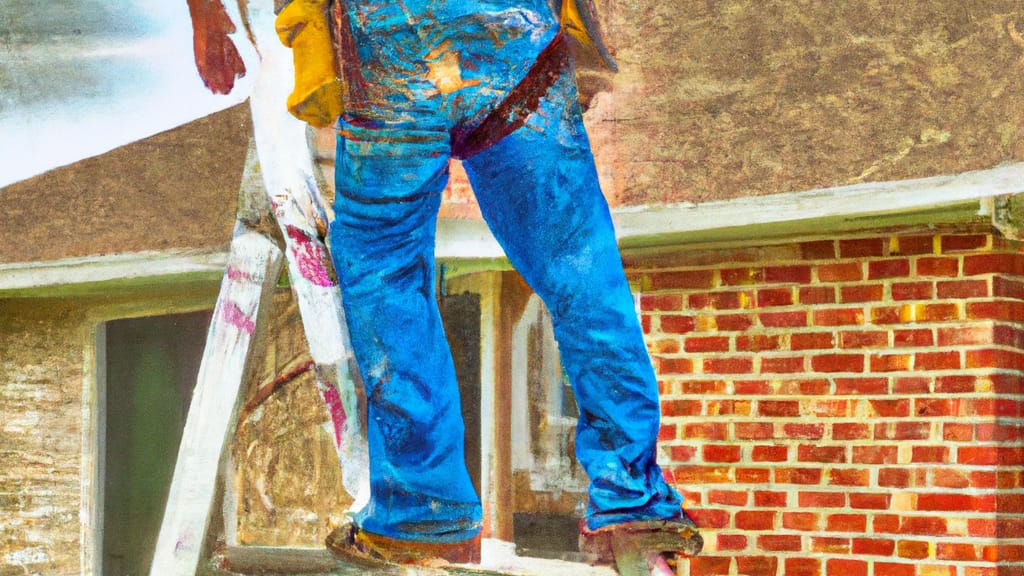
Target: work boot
x=679, y=536
x=350, y=544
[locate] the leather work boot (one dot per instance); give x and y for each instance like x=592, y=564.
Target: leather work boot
x=679, y=536
x=350, y=544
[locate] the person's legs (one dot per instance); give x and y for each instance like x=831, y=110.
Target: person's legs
x=539, y=192
x=389, y=183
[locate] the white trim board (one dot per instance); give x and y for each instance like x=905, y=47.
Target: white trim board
x=472, y=240
x=113, y=268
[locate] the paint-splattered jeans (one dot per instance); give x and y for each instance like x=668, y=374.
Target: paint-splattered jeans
x=538, y=191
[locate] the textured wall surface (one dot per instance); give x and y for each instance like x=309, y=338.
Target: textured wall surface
x=724, y=99
x=40, y=438
x=845, y=407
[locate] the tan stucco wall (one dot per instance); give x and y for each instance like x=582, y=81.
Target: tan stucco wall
x=732, y=98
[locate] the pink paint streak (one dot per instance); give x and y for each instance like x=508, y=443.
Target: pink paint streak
x=310, y=257
x=334, y=406
x=234, y=316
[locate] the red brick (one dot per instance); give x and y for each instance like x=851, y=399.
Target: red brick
x=741, y=276
x=911, y=385
x=823, y=454
x=982, y=527
x=805, y=476
x=782, y=365
x=705, y=431
x=811, y=295
x=667, y=432
x=932, y=407
x=800, y=274
x=975, y=264
x=758, y=343
x=891, y=362
x=838, y=317
x=885, y=524
x=954, y=502
x=890, y=408
x=825, y=545
x=861, y=293
x=818, y=250
x=675, y=366
x=664, y=346
x=870, y=501
x=896, y=268
x=728, y=408
x=822, y=499
x=754, y=430
x=940, y=266
x=950, y=478
x=864, y=339
x=774, y=297
x=933, y=454
x=802, y=567
x=696, y=344
x=913, y=549
x=913, y=338
x=770, y=453
x=907, y=245
x=850, y=431
x=733, y=322
x=789, y=319
x=676, y=407
x=961, y=289
x=718, y=453
x=813, y=387
x=849, y=477
x=841, y=272
x=959, y=243
x=893, y=569
x=678, y=324
x=682, y=280
x=956, y=384
x=729, y=365
x=862, y=247
x=753, y=475
x=731, y=542
x=778, y=408
x=757, y=565
x=719, y=300
x=843, y=567
x=938, y=313
x=955, y=551
x=811, y=340
x=846, y=523
x=702, y=387
x=875, y=454
x=803, y=431
x=912, y=291
x=1007, y=503
x=767, y=499
x=893, y=478
x=886, y=315
x=728, y=497
x=697, y=475
x=1007, y=288
x=710, y=518
x=755, y=520
x=682, y=453
x=858, y=386
x=779, y=543
x=1001, y=310
x=709, y=566
x=923, y=526
x=803, y=521
x=832, y=363
x=937, y=361
x=902, y=430
x=873, y=546
x=661, y=302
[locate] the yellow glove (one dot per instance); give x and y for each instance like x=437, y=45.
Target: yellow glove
x=305, y=27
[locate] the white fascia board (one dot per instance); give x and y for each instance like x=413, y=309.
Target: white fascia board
x=471, y=239
x=118, y=267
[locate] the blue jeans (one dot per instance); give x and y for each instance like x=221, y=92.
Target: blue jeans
x=538, y=191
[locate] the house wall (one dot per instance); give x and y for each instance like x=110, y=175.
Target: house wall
x=844, y=406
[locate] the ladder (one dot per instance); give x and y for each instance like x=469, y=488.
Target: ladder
x=279, y=190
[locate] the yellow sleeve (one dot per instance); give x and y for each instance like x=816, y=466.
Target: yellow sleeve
x=305, y=27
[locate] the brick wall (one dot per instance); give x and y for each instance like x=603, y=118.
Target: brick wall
x=847, y=407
